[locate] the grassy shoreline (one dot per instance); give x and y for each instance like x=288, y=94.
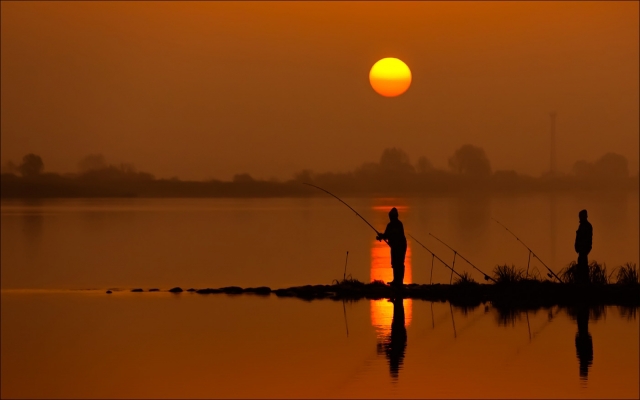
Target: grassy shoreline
x=526, y=294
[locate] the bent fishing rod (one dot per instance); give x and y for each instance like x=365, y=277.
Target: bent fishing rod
x=530, y=252
x=434, y=255
x=486, y=277
x=351, y=208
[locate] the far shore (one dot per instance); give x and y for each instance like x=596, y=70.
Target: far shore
x=436, y=184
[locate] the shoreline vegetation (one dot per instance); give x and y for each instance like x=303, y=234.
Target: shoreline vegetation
x=512, y=289
x=394, y=175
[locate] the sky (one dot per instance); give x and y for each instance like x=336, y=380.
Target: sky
x=206, y=90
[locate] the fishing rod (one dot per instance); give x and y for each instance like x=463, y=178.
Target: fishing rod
x=344, y=276
x=530, y=253
x=486, y=277
x=351, y=208
x=434, y=255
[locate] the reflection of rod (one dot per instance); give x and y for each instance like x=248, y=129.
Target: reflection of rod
x=433, y=323
x=434, y=255
x=486, y=277
x=531, y=251
x=533, y=336
x=346, y=324
x=472, y=322
x=528, y=325
x=351, y=208
x=455, y=335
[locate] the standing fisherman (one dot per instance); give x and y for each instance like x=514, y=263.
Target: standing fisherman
x=584, y=236
x=394, y=234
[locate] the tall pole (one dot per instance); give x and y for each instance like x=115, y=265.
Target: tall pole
x=552, y=161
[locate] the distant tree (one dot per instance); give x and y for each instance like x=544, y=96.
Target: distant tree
x=582, y=168
x=9, y=167
x=243, y=178
x=395, y=160
x=470, y=160
x=506, y=174
x=506, y=178
x=304, y=176
x=92, y=162
x=32, y=165
x=611, y=165
x=122, y=172
x=423, y=165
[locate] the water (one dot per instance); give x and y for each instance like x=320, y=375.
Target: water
x=88, y=344
x=61, y=340
x=80, y=244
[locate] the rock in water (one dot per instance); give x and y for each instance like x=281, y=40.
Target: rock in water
x=191, y=290
x=176, y=289
x=109, y=292
x=232, y=290
x=138, y=290
x=208, y=291
x=154, y=290
x=263, y=290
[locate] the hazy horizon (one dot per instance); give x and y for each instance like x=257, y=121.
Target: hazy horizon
x=211, y=89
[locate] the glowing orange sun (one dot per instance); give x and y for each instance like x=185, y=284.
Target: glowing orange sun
x=390, y=77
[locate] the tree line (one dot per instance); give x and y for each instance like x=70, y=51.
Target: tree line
x=469, y=168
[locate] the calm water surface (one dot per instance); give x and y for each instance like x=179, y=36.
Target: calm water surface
x=80, y=244
x=161, y=345
x=59, y=341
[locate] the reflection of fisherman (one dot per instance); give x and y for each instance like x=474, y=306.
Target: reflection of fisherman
x=584, y=344
x=584, y=236
x=398, y=243
x=395, y=345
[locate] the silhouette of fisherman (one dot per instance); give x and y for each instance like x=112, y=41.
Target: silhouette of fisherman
x=395, y=344
x=584, y=236
x=398, y=243
x=584, y=344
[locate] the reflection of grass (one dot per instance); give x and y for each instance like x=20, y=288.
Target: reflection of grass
x=464, y=279
x=597, y=273
x=507, y=274
x=627, y=274
x=507, y=316
x=628, y=312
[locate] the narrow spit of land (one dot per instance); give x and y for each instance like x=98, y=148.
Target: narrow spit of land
x=522, y=294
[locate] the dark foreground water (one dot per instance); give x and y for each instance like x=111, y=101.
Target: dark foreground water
x=59, y=341
x=88, y=344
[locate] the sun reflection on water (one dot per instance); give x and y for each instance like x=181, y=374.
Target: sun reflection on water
x=382, y=310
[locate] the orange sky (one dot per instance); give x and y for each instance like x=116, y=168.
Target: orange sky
x=208, y=89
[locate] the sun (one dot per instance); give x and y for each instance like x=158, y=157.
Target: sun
x=390, y=77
